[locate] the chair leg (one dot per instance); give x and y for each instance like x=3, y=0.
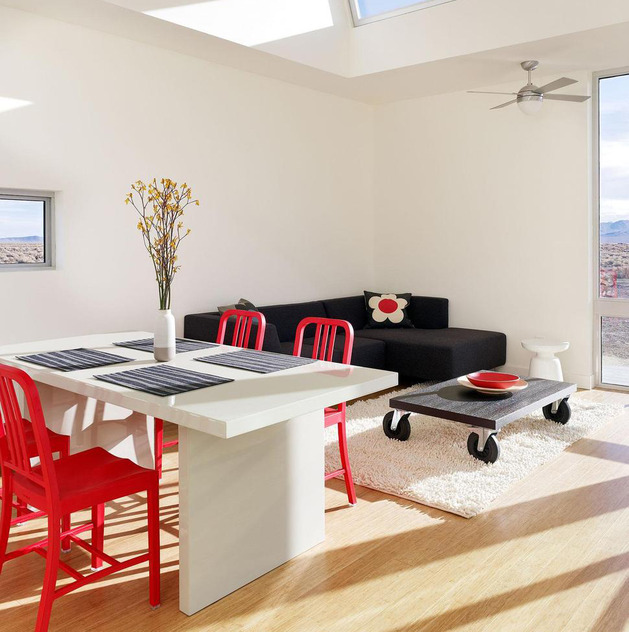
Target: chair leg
x=154, y=550
x=159, y=445
x=66, y=524
x=349, y=481
x=50, y=578
x=5, y=516
x=98, y=534
x=66, y=521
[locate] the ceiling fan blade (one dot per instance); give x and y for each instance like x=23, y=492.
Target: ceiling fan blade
x=558, y=83
x=565, y=97
x=483, y=92
x=504, y=105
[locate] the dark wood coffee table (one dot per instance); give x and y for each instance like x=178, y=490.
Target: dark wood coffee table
x=487, y=414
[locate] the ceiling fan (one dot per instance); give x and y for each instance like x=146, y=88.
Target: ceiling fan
x=530, y=97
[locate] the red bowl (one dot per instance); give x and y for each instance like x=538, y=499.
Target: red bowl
x=491, y=379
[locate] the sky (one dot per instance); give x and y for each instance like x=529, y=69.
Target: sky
x=614, y=148
x=21, y=218
x=368, y=8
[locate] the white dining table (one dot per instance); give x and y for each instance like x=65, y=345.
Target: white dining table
x=251, y=451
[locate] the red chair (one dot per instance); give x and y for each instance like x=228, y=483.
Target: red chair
x=59, y=444
x=242, y=328
x=242, y=332
x=323, y=349
x=61, y=487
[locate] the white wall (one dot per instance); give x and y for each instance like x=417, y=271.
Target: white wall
x=492, y=210
x=328, y=48
x=283, y=174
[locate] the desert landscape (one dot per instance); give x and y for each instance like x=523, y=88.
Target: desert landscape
x=21, y=252
x=614, y=257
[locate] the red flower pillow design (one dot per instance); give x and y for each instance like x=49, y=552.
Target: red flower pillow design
x=387, y=310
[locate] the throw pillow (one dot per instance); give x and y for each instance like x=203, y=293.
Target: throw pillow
x=387, y=310
x=243, y=303
x=223, y=308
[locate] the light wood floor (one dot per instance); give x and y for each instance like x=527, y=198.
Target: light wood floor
x=551, y=555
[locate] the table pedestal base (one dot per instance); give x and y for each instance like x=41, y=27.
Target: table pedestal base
x=247, y=505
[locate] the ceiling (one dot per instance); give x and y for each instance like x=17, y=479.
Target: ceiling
x=394, y=59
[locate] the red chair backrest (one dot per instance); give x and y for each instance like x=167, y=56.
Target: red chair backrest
x=242, y=328
x=325, y=337
x=13, y=440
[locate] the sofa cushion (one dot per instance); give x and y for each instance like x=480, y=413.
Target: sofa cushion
x=439, y=354
x=387, y=311
x=350, y=308
x=287, y=317
x=429, y=312
x=366, y=352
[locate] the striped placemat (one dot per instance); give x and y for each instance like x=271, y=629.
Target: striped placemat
x=182, y=344
x=258, y=361
x=163, y=380
x=74, y=359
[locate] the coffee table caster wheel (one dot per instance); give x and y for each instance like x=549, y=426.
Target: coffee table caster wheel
x=561, y=415
x=489, y=454
x=403, y=430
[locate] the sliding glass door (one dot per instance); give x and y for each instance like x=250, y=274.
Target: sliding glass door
x=611, y=127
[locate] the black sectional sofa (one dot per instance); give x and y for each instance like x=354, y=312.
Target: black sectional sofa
x=431, y=351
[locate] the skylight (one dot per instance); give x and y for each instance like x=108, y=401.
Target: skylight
x=249, y=22
x=365, y=11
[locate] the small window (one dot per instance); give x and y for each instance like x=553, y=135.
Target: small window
x=365, y=11
x=25, y=230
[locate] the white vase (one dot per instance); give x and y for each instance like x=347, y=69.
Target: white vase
x=164, y=348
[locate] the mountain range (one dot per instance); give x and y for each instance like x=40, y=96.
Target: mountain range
x=615, y=232
x=30, y=239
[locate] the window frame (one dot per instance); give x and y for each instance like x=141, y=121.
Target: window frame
x=358, y=21
x=48, y=198
x=603, y=306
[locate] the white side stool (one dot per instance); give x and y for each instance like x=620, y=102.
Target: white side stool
x=545, y=364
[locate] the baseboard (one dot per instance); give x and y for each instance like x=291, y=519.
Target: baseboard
x=581, y=380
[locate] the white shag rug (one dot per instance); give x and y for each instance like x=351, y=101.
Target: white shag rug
x=434, y=467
